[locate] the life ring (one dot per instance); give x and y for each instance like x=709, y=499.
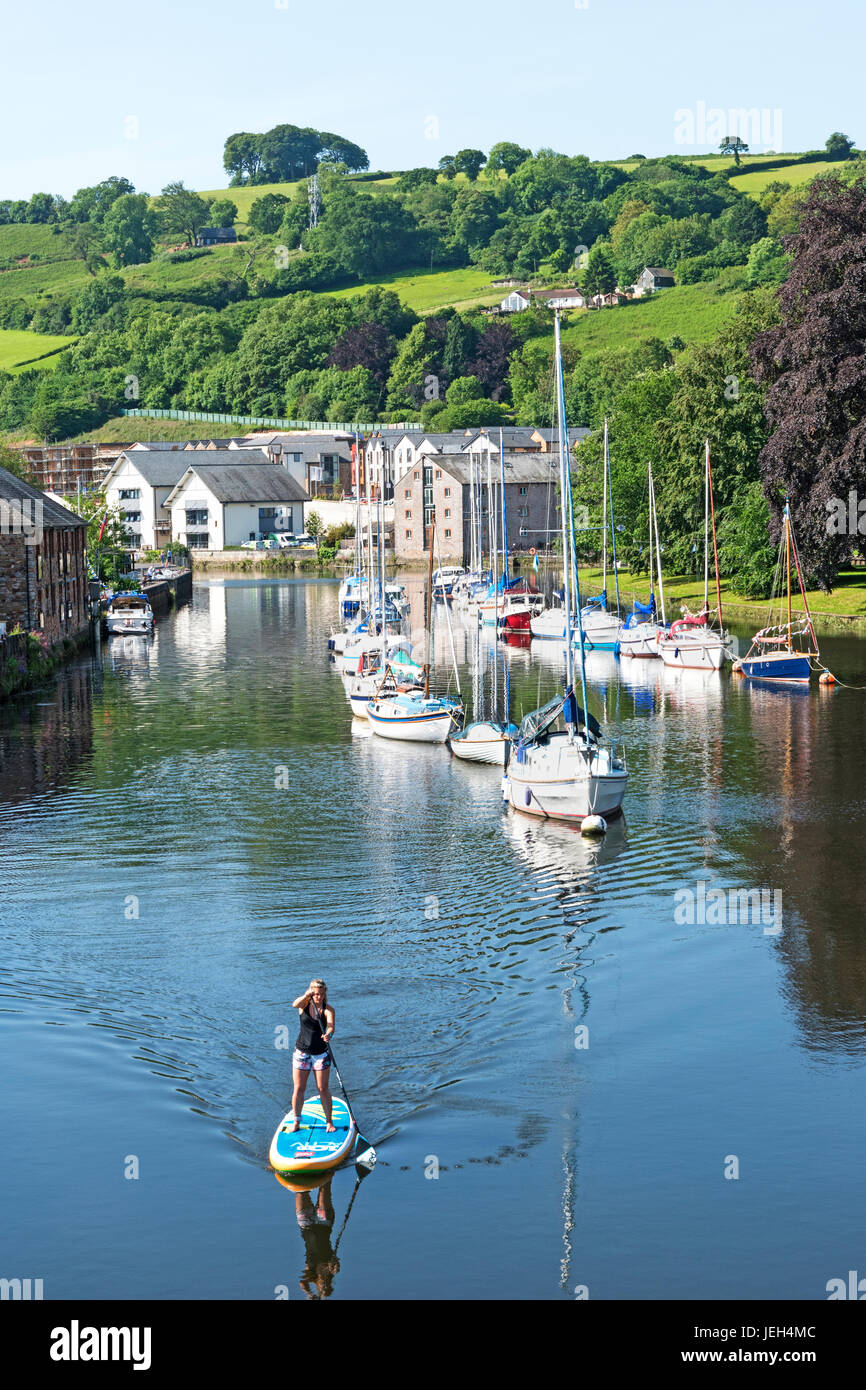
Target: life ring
x=532, y=550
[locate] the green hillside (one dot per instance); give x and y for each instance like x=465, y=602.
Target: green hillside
x=20, y=349
x=794, y=174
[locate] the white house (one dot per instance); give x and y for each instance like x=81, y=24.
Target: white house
x=137, y=485
x=567, y=298
x=220, y=506
x=515, y=302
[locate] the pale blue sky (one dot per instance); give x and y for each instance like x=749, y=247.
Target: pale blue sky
x=151, y=89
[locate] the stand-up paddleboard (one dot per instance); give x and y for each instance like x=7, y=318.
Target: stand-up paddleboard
x=311, y=1149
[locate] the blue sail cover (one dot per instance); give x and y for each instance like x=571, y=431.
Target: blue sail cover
x=640, y=611
x=600, y=599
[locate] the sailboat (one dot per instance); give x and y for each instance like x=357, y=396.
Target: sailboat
x=691, y=641
x=600, y=626
x=486, y=740
x=639, y=634
x=784, y=651
x=571, y=773
x=417, y=716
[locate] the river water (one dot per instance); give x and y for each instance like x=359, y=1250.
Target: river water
x=598, y=1076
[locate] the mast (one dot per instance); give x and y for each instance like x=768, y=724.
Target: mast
x=788, y=567
x=472, y=564
x=380, y=536
x=609, y=486
x=504, y=523
x=369, y=544
x=429, y=611
x=565, y=508
x=357, y=504
x=655, y=519
x=604, y=523
x=707, y=529
x=715, y=546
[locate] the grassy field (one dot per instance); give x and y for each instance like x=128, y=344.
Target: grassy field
x=693, y=312
x=847, y=600
x=32, y=239
x=425, y=290
x=126, y=429
x=19, y=348
x=795, y=175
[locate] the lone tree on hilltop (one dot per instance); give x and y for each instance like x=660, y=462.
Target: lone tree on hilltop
x=838, y=146
x=732, y=144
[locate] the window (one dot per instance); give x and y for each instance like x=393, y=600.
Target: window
x=447, y=492
x=196, y=518
x=131, y=516
x=129, y=494
x=408, y=514
x=408, y=493
x=408, y=535
x=447, y=511
x=523, y=531
x=197, y=540
x=438, y=473
x=523, y=492
x=135, y=540
x=416, y=475
x=447, y=535
x=523, y=511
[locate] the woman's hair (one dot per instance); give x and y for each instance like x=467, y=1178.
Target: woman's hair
x=320, y=984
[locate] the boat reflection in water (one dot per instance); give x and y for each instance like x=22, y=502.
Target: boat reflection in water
x=130, y=653
x=570, y=868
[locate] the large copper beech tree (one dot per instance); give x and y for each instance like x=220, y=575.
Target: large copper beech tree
x=814, y=366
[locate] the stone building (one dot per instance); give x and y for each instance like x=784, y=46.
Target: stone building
x=439, y=489
x=43, y=572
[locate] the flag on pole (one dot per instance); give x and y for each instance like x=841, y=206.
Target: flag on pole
x=535, y=563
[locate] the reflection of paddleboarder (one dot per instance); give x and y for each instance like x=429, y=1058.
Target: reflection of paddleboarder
x=311, y=1049
x=316, y=1223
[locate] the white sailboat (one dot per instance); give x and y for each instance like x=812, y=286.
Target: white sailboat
x=417, y=716
x=639, y=635
x=571, y=773
x=692, y=643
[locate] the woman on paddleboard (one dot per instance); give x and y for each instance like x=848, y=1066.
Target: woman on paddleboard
x=311, y=1049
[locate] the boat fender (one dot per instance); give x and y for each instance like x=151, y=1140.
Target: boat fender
x=593, y=825
x=737, y=668
x=527, y=797
x=826, y=678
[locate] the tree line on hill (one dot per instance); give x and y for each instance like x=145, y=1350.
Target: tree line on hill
x=287, y=152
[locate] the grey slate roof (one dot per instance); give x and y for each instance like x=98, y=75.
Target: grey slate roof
x=53, y=513
x=575, y=434
x=164, y=468
x=245, y=482
x=519, y=468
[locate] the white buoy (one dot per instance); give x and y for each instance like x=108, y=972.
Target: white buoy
x=593, y=825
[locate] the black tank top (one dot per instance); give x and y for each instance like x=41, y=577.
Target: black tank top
x=310, y=1036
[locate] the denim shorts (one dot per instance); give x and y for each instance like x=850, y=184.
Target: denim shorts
x=318, y=1061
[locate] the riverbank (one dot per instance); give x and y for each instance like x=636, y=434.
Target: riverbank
x=26, y=664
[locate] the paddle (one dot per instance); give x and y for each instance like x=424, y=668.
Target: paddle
x=367, y=1158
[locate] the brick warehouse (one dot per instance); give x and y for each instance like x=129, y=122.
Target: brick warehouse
x=438, y=489
x=43, y=575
